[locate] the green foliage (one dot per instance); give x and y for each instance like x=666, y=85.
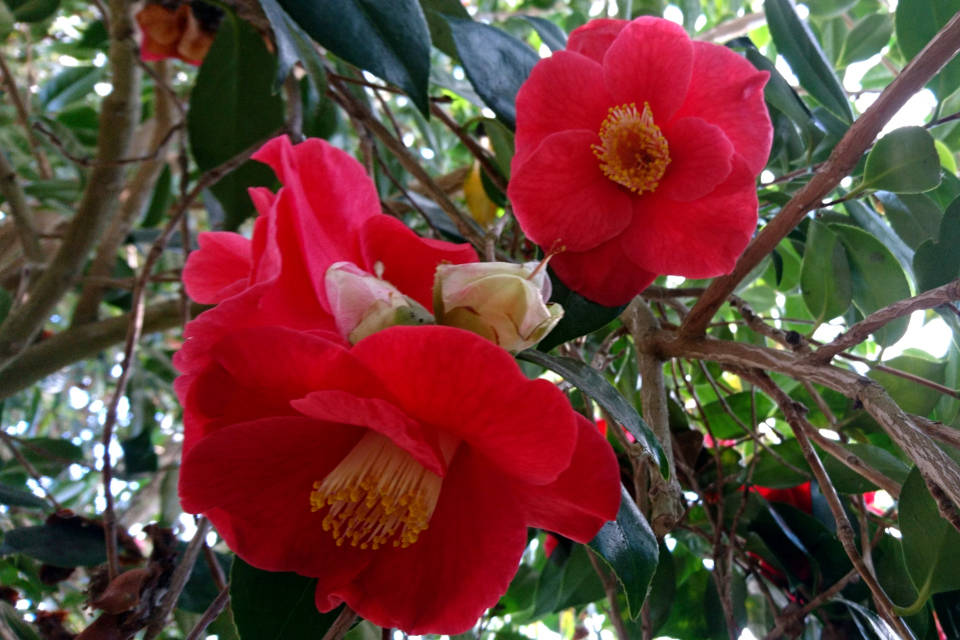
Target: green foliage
x=903, y=161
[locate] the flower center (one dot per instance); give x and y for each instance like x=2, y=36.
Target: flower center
x=633, y=151
x=376, y=494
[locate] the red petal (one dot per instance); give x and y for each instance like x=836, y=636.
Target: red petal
x=560, y=194
x=584, y=497
x=255, y=479
x=565, y=91
x=650, y=61
x=409, y=261
x=603, y=274
x=219, y=269
x=266, y=253
x=727, y=91
x=698, y=239
x=700, y=159
x=458, y=568
x=377, y=415
x=594, y=38
x=460, y=383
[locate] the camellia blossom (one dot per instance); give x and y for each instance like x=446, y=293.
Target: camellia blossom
x=176, y=32
x=505, y=303
x=372, y=468
x=637, y=149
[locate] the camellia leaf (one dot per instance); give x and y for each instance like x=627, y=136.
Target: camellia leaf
x=918, y=21
x=929, y=541
x=572, y=583
x=580, y=316
x=914, y=216
x=232, y=105
x=801, y=50
x=139, y=455
x=878, y=279
x=33, y=10
x=828, y=8
x=870, y=220
x=869, y=35
x=551, y=35
x=912, y=397
x=903, y=161
x=825, y=278
x=440, y=35
x=388, y=38
x=62, y=545
x=19, y=498
x=628, y=545
x=275, y=606
x=588, y=380
x=496, y=64
x=14, y=620
x=293, y=45
x=937, y=263
x=69, y=85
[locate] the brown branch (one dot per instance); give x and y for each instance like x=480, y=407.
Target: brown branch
x=87, y=161
x=213, y=611
x=862, y=330
x=341, y=625
x=847, y=153
x=938, y=431
x=478, y=152
x=794, y=412
x=787, y=621
x=118, y=117
x=23, y=115
x=20, y=211
x=610, y=588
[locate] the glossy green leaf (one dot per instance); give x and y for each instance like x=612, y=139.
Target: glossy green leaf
x=139, y=455
x=275, y=606
x=723, y=426
x=232, y=106
x=33, y=10
x=663, y=589
x=201, y=589
x=914, y=216
x=869, y=35
x=572, y=583
x=903, y=161
x=917, y=22
x=551, y=35
x=912, y=397
x=496, y=64
x=825, y=278
x=388, y=38
x=628, y=545
x=847, y=481
x=50, y=456
x=773, y=473
x=592, y=383
x=440, y=35
x=14, y=620
x=878, y=279
x=69, y=85
x=293, y=45
x=62, y=543
x=160, y=201
x=580, y=316
x=15, y=497
x=938, y=262
x=873, y=223
x=929, y=541
x=828, y=8
x=801, y=50
x=777, y=91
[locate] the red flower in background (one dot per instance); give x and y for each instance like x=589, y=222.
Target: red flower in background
x=798, y=496
x=175, y=32
x=326, y=212
x=374, y=468
x=638, y=150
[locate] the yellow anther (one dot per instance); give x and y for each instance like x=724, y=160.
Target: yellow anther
x=633, y=151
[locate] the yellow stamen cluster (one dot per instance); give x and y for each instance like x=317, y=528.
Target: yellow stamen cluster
x=378, y=493
x=633, y=151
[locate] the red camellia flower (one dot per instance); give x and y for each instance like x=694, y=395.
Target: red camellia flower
x=176, y=32
x=638, y=150
x=374, y=468
x=327, y=212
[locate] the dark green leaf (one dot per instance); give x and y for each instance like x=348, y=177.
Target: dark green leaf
x=828, y=8
x=6, y=303
x=16, y=623
x=63, y=543
x=869, y=35
x=275, y=606
x=495, y=63
x=929, y=541
x=160, y=201
x=588, y=380
x=139, y=455
x=50, y=456
x=33, y=10
x=912, y=397
x=903, y=161
x=914, y=216
x=68, y=86
x=574, y=582
x=294, y=45
x=201, y=589
x=231, y=107
x=630, y=548
x=580, y=316
x=937, y=263
x=440, y=35
x=663, y=588
x=871, y=221
x=878, y=279
x=388, y=38
x=20, y=498
x=801, y=50
x=551, y=35
x=848, y=481
x=723, y=426
x=825, y=278
x=774, y=474
x=917, y=21
x=777, y=91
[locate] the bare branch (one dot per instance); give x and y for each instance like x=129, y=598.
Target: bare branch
x=847, y=153
x=218, y=605
x=20, y=211
x=23, y=115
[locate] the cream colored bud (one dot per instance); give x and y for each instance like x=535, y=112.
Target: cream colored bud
x=363, y=304
x=505, y=303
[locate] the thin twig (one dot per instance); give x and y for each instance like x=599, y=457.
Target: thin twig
x=784, y=622
x=610, y=587
x=478, y=152
x=28, y=467
x=23, y=115
x=341, y=625
x=20, y=211
x=211, y=614
x=87, y=161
